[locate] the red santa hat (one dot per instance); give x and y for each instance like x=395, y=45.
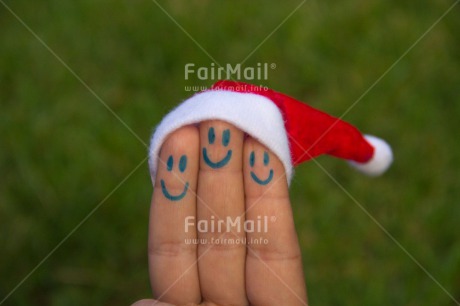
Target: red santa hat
x=292, y=130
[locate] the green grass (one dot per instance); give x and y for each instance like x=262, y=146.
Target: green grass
x=62, y=152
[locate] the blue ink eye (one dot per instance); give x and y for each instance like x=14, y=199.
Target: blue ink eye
x=226, y=138
x=170, y=163
x=252, y=159
x=266, y=158
x=211, y=135
x=183, y=163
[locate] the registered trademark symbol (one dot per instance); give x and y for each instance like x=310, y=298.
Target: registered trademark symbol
x=272, y=66
x=272, y=218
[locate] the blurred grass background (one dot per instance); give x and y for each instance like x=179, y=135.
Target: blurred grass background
x=62, y=152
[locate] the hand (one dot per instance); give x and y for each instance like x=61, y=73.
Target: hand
x=206, y=176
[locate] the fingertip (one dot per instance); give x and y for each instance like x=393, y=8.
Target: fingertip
x=179, y=156
x=264, y=174
x=184, y=139
x=221, y=146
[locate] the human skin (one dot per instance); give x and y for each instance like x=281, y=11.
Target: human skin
x=224, y=173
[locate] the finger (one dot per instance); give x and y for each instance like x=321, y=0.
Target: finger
x=172, y=249
x=221, y=196
x=273, y=265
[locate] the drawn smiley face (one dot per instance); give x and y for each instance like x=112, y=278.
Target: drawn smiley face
x=225, y=142
x=169, y=167
x=252, y=160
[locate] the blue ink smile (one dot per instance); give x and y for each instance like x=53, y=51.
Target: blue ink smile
x=262, y=182
x=218, y=164
x=252, y=161
x=225, y=142
x=170, y=196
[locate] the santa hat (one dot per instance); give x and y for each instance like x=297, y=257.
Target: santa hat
x=292, y=130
